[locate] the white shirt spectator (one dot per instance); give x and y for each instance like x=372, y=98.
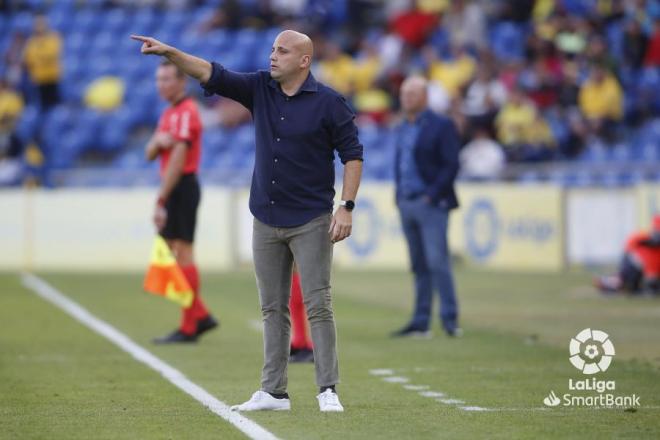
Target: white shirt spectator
x=466, y=24
x=482, y=158
x=483, y=97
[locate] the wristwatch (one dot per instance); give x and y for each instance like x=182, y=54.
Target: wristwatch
x=348, y=204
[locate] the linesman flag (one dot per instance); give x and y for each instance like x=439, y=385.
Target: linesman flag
x=165, y=277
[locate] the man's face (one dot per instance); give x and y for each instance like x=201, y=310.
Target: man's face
x=413, y=97
x=285, y=58
x=169, y=85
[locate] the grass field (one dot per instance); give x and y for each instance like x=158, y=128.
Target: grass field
x=59, y=380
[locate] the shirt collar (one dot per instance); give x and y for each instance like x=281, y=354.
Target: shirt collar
x=310, y=85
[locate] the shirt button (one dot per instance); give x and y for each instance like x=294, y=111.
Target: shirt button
x=272, y=202
x=288, y=98
x=275, y=159
x=273, y=182
x=282, y=118
x=278, y=139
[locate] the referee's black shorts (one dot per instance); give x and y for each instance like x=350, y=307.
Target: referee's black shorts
x=181, y=209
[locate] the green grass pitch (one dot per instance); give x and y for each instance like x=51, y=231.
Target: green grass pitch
x=59, y=380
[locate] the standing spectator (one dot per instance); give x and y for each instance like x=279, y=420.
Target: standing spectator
x=42, y=58
x=414, y=26
x=454, y=73
x=635, y=43
x=466, y=23
x=426, y=166
x=601, y=101
x=514, y=118
x=484, y=97
x=336, y=68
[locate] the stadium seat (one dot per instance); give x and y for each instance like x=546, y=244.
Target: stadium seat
x=21, y=22
x=27, y=125
x=117, y=21
x=88, y=21
x=508, y=41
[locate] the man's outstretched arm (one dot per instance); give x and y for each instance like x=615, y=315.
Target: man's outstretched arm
x=195, y=67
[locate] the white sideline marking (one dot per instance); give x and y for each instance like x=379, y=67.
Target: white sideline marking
x=452, y=401
x=432, y=394
x=256, y=325
x=174, y=376
x=474, y=408
x=396, y=379
x=416, y=387
x=381, y=372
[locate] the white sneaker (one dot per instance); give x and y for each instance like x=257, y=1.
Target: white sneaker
x=329, y=402
x=262, y=401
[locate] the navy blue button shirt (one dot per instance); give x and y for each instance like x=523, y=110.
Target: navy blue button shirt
x=294, y=173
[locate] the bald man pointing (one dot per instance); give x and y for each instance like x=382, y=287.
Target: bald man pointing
x=299, y=122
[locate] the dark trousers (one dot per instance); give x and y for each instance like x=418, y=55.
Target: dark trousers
x=425, y=229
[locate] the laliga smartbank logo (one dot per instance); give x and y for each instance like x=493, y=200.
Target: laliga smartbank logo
x=591, y=352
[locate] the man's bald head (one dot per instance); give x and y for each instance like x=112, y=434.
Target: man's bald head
x=291, y=55
x=300, y=41
x=413, y=94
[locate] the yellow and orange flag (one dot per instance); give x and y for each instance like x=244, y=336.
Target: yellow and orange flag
x=165, y=277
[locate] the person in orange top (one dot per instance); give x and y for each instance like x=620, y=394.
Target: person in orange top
x=639, y=270
x=177, y=141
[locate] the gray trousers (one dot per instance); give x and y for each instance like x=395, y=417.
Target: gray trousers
x=274, y=251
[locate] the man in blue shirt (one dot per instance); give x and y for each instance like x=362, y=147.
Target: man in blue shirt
x=299, y=122
x=425, y=168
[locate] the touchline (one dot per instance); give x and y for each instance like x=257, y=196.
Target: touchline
x=591, y=385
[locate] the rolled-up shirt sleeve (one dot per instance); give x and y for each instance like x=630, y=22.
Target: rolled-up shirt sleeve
x=345, y=133
x=234, y=85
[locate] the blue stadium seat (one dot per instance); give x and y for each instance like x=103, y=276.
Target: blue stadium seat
x=144, y=21
x=117, y=22
x=21, y=22
x=614, y=37
x=61, y=20
x=88, y=21
x=27, y=125
x=440, y=40
x=508, y=41
x=620, y=153
x=244, y=138
x=105, y=41
x=593, y=153
x=216, y=140
x=76, y=44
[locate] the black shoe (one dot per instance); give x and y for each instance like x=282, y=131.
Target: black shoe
x=206, y=324
x=176, y=337
x=302, y=356
x=411, y=331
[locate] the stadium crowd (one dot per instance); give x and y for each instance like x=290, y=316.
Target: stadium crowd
x=524, y=80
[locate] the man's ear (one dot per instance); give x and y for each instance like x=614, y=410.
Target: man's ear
x=305, y=61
